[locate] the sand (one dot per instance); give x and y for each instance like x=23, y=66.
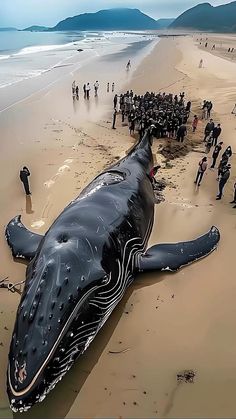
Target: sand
x=166, y=323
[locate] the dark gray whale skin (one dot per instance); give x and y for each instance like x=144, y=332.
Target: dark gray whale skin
x=80, y=269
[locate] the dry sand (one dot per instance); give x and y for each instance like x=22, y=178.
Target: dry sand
x=166, y=323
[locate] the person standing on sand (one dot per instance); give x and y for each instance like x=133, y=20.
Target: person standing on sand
x=201, y=170
x=216, y=153
x=222, y=165
x=201, y=63
x=181, y=133
x=114, y=119
x=77, y=92
x=113, y=87
x=84, y=89
x=227, y=153
x=88, y=88
x=224, y=177
x=96, y=87
x=195, y=123
x=234, y=200
x=209, y=127
x=115, y=100
x=24, y=174
x=209, y=109
x=108, y=87
x=216, y=133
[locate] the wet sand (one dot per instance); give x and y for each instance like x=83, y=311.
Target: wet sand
x=166, y=323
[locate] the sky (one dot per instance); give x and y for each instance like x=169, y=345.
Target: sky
x=22, y=13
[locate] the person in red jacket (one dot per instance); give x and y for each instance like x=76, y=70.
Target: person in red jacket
x=153, y=173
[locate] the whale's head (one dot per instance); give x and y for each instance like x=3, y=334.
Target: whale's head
x=56, y=319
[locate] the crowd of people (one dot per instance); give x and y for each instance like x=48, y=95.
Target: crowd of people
x=167, y=113
x=87, y=89
x=212, y=134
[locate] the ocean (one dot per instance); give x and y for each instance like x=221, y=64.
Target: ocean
x=32, y=61
x=25, y=55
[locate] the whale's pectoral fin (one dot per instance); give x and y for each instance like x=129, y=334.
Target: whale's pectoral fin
x=171, y=257
x=23, y=243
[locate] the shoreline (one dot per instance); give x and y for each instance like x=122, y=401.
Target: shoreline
x=165, y=334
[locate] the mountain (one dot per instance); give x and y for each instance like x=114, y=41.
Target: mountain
x=7, y=29
x=110, y=20
x=164, y=23
x=205, y=17
x=36, y=28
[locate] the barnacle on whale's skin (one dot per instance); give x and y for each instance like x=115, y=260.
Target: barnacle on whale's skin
x=79, y=271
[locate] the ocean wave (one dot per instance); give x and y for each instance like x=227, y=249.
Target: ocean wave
x=4, y=57
x=43, y=48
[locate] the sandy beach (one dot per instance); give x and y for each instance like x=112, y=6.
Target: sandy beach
x=166, y=323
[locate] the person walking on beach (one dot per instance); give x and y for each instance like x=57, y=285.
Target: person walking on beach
x=216, y=133
x=77, y=92
x=96, y=87
x=201, y=170
x=216, y=153
x=113, y=87
x=201, y=63
x=114, y=119
x=84, y=89
x=108, y=87
x=115, y=100
x=24, y=174
x=195, y=123
x=225, y=175
x=128, y=66
x=88, y=88
x=209, y=127
x=181, y=133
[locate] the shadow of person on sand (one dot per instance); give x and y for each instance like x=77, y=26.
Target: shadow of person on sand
x=28, y=205
x=60, y=400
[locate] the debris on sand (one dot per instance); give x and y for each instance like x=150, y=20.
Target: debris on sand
x=186, y=376
x=172, y=150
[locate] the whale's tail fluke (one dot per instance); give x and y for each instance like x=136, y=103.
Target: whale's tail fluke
x=171, y=257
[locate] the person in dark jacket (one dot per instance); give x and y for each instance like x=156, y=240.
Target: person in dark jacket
x=209, y=109
x=221, y=167
x=209, y=127
x=216, y=133
x=24, y=174
x=225, y=175
x=182, y=131
x=114, y=119
x=227, y=153
x=202, y=167
x=216, y=153
x=115, y=100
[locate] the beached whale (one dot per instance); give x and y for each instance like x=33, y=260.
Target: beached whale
x=80, y=269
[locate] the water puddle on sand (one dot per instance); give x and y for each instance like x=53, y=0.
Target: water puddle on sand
x=37, y=224
x=49, y=183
